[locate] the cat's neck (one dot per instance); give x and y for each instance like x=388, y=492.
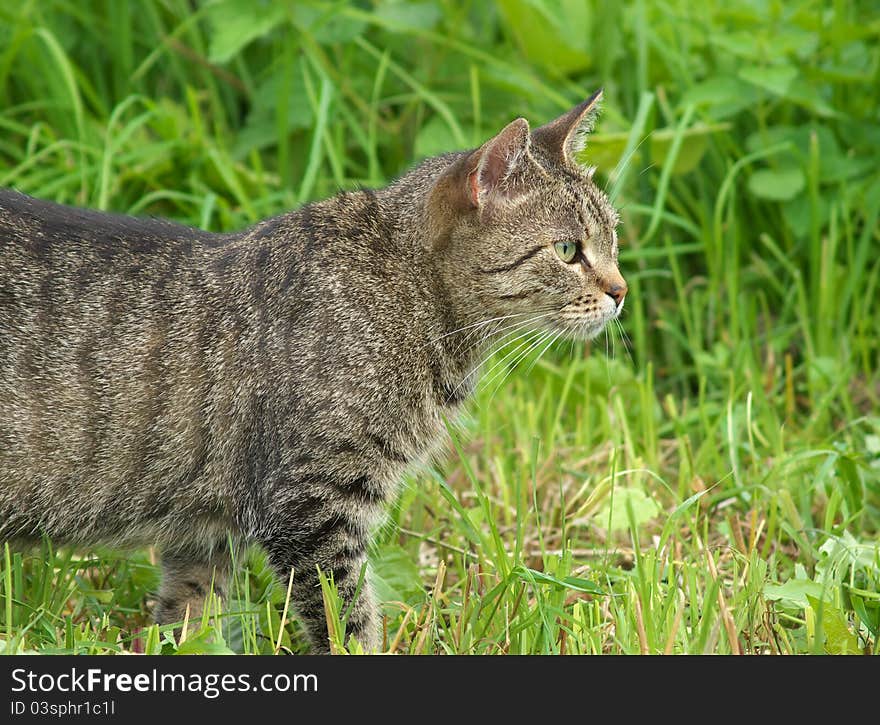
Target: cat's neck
x=460, y=328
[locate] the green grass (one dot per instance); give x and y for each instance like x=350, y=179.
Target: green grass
x=707, y=482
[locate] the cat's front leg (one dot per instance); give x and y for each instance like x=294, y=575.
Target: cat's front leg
x=313, y=532
x=189, y=574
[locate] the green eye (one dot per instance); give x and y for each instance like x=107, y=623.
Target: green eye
x=567, y=251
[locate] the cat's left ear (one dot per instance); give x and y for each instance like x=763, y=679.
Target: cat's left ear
x=565, y=137
x=493, y=165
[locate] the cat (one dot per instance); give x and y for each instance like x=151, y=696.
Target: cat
x=165, y=385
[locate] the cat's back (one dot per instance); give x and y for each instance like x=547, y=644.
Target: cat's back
x=104, y=324
x=44, y=233
x=73, y=278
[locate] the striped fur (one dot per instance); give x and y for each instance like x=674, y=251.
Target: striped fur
x=163, y=385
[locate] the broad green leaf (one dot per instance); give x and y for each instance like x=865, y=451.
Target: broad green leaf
x=326, y=26
x=395, y=576
x=553, y=34
x=689, y=155
x=204, y=642
x=800, y=137
x=847, y=551
x=723, y=96
x=644, y=509
x=414, y=15
x=777, y=184
x=278, y=92
x=836, y=168
x=795, y=135
x=794, y=592
x=839, y=640
x=776, y=79
x=868, y=614
x=605, y=149
x=435, y=137
x=797, y=213
x=805, y=94
x=235, y=23
x=823, y=371
x=776, y=43
x=860, y=134
x=740, y=43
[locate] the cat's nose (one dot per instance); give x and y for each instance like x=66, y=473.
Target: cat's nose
x=617, y=292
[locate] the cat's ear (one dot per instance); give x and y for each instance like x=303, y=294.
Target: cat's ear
x=496, y=161
x=565, y=137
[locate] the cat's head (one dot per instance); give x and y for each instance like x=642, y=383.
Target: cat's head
x=521, y=226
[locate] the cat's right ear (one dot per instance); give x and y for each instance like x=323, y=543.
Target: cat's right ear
x=566, y=137
x=492, y=166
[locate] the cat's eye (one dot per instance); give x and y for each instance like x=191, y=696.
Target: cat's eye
x=567, y=251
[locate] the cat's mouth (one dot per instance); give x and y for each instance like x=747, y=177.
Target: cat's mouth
x=585, y=320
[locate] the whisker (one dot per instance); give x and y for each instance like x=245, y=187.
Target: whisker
x=533, y=344
x=485, y=335
x=553, y=335
x=613, y=335
x=503, y=367
x=622, y=165
x=499, y=340
x=476, y=324
x=540, y=354
x=607, y=364
x=627, y=343
x=518, y=347
x=496, y=349
x=625, y=333
x=519, y=324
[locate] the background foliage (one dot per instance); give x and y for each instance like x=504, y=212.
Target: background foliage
x=708, y=483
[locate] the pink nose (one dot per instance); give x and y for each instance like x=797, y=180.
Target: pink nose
x=617, y=292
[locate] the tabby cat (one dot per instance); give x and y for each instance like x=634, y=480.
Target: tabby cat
x=164, y=385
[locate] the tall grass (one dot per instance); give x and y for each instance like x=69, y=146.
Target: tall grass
x=706, y=479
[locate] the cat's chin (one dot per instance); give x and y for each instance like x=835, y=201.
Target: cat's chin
x=585, y=330
x=591, y=333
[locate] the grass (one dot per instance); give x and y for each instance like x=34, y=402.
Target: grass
x=707, y=481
